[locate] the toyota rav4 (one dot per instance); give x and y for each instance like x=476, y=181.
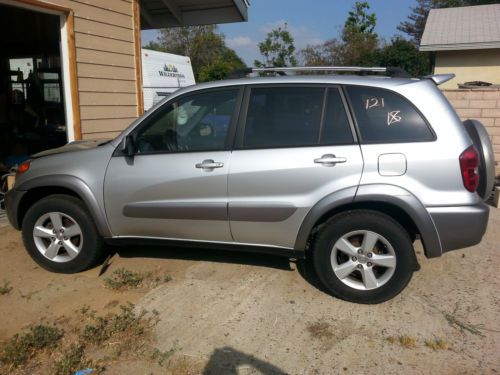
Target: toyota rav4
x=346, y=170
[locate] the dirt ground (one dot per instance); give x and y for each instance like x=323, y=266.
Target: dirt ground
x=234, y=313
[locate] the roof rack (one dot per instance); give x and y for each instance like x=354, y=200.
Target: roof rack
x=390, y=71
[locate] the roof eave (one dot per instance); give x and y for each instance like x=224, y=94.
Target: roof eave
x=459, y=46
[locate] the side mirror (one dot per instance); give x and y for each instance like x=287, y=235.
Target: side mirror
x=128, y=146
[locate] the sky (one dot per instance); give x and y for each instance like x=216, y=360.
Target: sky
x=310, y=22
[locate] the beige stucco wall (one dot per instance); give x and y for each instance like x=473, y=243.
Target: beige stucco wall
x=469, y=65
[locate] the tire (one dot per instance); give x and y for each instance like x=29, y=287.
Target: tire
x=378, y=274
x=66, y=239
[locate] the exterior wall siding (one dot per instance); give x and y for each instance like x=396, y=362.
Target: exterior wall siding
x=482, y=105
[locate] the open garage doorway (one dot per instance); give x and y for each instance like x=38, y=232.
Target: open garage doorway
x=33, y=110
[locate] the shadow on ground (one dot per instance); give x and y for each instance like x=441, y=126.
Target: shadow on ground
x=305, y=267
x=227, y=361
x=206, y=255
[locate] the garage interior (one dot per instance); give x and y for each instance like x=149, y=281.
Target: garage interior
x=32, y=111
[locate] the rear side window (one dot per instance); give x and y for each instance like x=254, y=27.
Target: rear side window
x=336, y=129
x=384, y=116
x=283, y=117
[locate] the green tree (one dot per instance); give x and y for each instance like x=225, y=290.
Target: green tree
x=404, y=54
x=204, y=45
x=358, y=44
x=359, y=21
x=277, y=49
x=359, y=40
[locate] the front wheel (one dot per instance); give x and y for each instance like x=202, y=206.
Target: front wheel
x=363, y=256
x=59, y=234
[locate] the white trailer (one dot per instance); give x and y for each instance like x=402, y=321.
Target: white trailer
x=162, y=74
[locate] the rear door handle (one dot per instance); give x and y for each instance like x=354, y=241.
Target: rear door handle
x=330, y=159
x=209, y=164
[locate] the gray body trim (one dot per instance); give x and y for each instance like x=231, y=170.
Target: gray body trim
x=376, y=194
x=12, y=201
x=411, y=206
x=461, y=226
x=328, y=203
x=78, y=187
x=177, y=210
x=261, y=212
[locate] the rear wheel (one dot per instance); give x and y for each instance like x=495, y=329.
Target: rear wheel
x=363, y=256
x=60, y=235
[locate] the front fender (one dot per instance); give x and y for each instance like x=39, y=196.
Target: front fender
x=77, y=186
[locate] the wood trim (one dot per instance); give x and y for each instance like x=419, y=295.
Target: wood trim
x=73, y=76
x=45, y=5
x=138, y=57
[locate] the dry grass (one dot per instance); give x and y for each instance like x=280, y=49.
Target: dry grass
x=437, y=344
x=405, y=341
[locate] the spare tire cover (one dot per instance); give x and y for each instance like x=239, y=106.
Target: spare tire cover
x=482, y=143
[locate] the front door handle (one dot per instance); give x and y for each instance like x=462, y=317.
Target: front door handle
x=330, y=160
x=209, y=164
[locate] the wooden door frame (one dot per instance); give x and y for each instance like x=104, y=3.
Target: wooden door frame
x=72, y=104
x=138, y=57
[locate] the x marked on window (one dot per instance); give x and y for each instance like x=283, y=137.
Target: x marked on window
x=393, y=117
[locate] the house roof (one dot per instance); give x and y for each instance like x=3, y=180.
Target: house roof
x=474, y=27
x=157, y=14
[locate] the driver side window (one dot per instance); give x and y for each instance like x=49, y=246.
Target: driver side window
x=196, y=123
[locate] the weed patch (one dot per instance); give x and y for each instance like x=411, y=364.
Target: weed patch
x=5, y=288
x=124, y=279
x=73, y=359
x=19, y=349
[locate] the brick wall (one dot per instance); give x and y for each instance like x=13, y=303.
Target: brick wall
x=482, y=105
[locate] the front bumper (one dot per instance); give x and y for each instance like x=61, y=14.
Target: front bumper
x=460, y=226
x=12, y=201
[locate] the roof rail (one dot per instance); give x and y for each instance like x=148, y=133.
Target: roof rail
x=390, y=71
x=440, y=78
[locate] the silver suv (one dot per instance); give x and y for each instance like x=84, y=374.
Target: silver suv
x=346, y=170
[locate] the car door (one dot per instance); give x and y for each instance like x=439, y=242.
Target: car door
x=175, y=186
x=295, y=145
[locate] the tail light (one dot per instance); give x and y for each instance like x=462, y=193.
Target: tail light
x=23, y=167
x=469, y=166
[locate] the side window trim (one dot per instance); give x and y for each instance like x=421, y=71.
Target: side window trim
x=356, y=125
x=240, y=130
x=350, y=115
x=165, y=106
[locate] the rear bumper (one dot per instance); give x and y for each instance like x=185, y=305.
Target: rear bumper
x=460, y=226
x=12, y=200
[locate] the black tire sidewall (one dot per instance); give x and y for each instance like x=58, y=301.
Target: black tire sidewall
x=344, y=223
x=92, y=242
